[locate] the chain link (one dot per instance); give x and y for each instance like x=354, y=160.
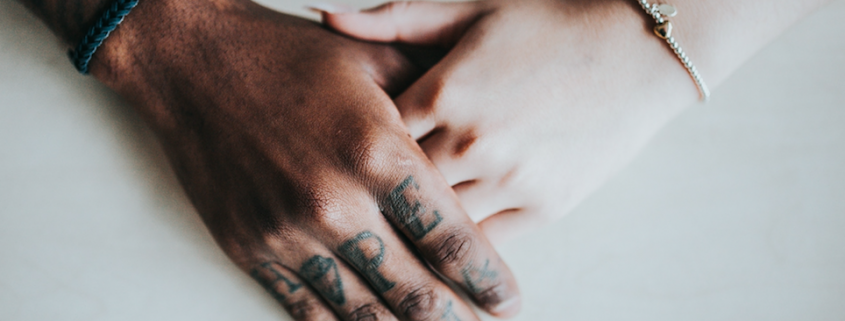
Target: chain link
x=654, y=11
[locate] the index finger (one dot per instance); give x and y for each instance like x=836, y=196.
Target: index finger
x=416, y=199
x=425, y=208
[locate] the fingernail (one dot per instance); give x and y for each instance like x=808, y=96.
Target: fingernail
x=332, y=8
x=508, y=308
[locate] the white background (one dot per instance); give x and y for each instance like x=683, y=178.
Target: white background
x=736, y=211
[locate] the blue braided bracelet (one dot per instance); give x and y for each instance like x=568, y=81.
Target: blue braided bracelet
x=99, y=32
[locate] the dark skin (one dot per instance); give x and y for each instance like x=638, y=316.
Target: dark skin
x=286, y=140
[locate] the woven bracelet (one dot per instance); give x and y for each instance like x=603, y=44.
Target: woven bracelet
x=99, y=32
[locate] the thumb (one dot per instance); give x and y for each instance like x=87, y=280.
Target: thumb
x=412, y=22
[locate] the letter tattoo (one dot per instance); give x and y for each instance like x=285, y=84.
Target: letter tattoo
x=353, y=251
x=449, y=315
x=473, y=277
x=408, y=212
x=269, y=275
x=317, y=272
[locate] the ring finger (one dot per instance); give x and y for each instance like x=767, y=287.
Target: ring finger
x=400, y=277
x=337, y=284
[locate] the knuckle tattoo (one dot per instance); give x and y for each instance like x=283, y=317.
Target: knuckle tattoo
x=419, y=304
x=366, y=253
x=404, y=206
x=323, y=275
x=484, y=284
x=269, y=275
x=449, y=313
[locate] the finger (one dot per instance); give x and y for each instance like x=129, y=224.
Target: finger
x=426, y=210
x=416, y=199
x=483, y=198
x=420, y=122
x=413, y=22
x=299, y=299
x=339, y=287
x=416, y=23
x=369, y=245
x=435, y=145
x=509, y=224
x=389, y=68
x=404, y=282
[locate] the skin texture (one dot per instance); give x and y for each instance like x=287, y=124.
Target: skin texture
x=538, y=102
x=286, y=140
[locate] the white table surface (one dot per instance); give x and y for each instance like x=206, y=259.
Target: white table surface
x=736, y=211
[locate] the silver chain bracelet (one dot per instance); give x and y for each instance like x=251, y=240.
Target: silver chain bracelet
x=663, y=29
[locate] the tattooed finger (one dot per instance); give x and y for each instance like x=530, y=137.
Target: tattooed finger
x=342, y=289
x=411, y=290
x=427, y=212
x=296, y=297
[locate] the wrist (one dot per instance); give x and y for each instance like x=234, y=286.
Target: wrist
x=154, y=38
x=720, y=35
x=164, y=49
x=149, y=27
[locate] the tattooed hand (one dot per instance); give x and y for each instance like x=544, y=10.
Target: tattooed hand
x=297, y=160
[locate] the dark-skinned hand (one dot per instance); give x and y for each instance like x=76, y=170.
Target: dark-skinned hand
x=287, y=142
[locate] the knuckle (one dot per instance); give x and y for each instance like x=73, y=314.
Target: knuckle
x=368, y=156
x=368, y=312
x=434, y=97
x=419, y=304
x=324, y=211
x=364, y=149
x=317, y=199
x=431, y=98
x=453, y=250
x=464, y=143
x=309, y=308
x=327, y=218
x=511, y=178
x=492, y=296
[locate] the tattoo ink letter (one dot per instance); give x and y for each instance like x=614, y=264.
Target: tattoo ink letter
x=269, y=275
x=409, y=212
x=449, y=315
x=317, y=272
x=473, y=277
x=353, y=251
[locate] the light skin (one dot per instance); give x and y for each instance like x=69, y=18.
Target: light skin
x=286, y=140
x=540, y=101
